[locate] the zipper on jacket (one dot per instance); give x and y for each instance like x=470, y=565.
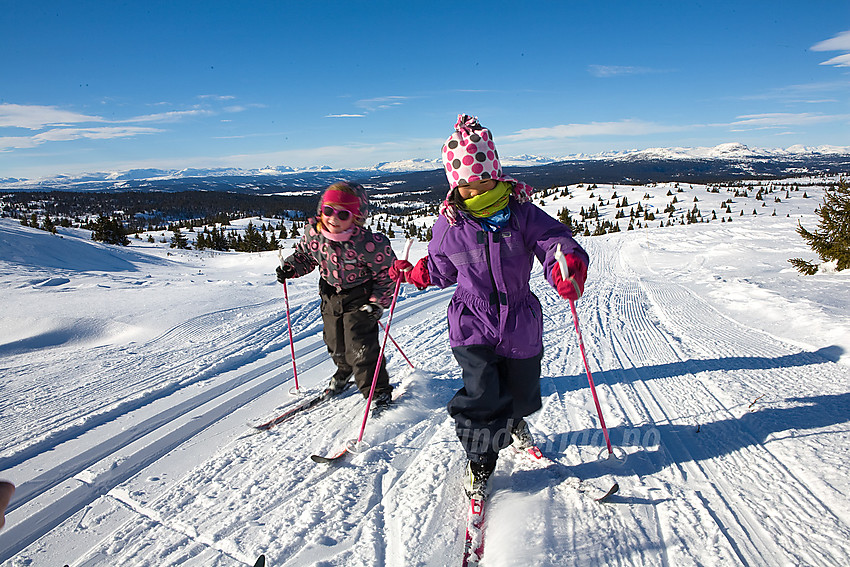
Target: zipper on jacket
x=484, y=238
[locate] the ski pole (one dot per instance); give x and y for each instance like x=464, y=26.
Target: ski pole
x=383, y=345
x=562, y=262
x=289, y=326
x=590, y=379
x=396, y=345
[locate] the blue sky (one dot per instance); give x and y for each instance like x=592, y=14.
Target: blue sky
x=98, y=86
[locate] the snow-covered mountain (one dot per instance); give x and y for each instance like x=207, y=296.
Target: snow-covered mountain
x=731, y=151
x=322, y=175
x=407, y=165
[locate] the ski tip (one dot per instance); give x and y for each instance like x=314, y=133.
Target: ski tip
x=535, y=452
x=250, y=433
x=351, y=446
x=261, y=561
x=326, y=460
x=611, y=491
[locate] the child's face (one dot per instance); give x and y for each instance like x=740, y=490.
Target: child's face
x=475, y=188
x=333, y=223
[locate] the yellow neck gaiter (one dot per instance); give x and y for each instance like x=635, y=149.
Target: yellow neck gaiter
x=489, y=203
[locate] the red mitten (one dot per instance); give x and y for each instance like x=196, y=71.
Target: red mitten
x=419, y=275
x=399, y=269
x=573, y=286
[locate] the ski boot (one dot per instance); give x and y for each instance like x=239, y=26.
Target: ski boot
x=522, y=439
x=336, y=386
x=381, y=402
x=477, y=477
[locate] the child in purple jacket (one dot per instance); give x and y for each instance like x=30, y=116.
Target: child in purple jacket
x=485, y=241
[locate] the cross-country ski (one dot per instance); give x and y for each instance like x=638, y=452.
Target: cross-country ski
x=300, y=407
x=473, y=547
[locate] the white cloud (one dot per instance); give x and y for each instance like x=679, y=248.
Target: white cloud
x=604, y=71
x=70, y=134
x=217, y=97
x=620, y=128
x=35, y=117
x=839, y=61
x=802, y=93
x=172, y=116
x=60, y=125
x=242, y=107
x=840, y=42
x=105, y=133
x=784, y=119
x=16, y=142
x=370, y=105
x=380, y=103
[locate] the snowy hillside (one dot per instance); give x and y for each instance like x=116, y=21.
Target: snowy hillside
x=130, y=377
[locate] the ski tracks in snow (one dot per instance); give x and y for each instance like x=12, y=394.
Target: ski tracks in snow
x=261, y=493
x=679, y=374
x=710, y=414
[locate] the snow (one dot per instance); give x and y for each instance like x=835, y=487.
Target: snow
x=130, y=375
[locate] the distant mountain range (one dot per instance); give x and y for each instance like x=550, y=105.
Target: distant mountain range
x=425, y=178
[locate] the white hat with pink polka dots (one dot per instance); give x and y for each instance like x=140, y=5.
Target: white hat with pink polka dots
x=470, y=154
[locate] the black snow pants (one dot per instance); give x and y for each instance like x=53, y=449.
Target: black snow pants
x=352, y=336
x=497, y=392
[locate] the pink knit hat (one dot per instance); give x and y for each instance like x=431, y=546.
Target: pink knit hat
x=470, y=155
x=348, y=195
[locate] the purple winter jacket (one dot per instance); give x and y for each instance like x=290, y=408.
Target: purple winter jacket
x=493, y=304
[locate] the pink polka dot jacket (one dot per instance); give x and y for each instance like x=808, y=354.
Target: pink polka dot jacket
x=366, y=256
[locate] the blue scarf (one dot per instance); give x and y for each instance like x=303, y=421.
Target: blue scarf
x=497, y=221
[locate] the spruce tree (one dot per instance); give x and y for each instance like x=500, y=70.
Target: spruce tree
x=48, y=224
x=253, y=241
x=831, y=240
x=110, y=231
x=179, y=241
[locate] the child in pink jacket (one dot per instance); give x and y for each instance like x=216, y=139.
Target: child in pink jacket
x=354, y=285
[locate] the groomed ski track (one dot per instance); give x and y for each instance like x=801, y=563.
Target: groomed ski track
x=713, y=419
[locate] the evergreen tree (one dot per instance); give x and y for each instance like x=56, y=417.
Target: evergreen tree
x=110, y=231
x=253, y=241
x=201, y=240
x=831, y=240
x=179, y=241
x=217, y=240
x=48, y=224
